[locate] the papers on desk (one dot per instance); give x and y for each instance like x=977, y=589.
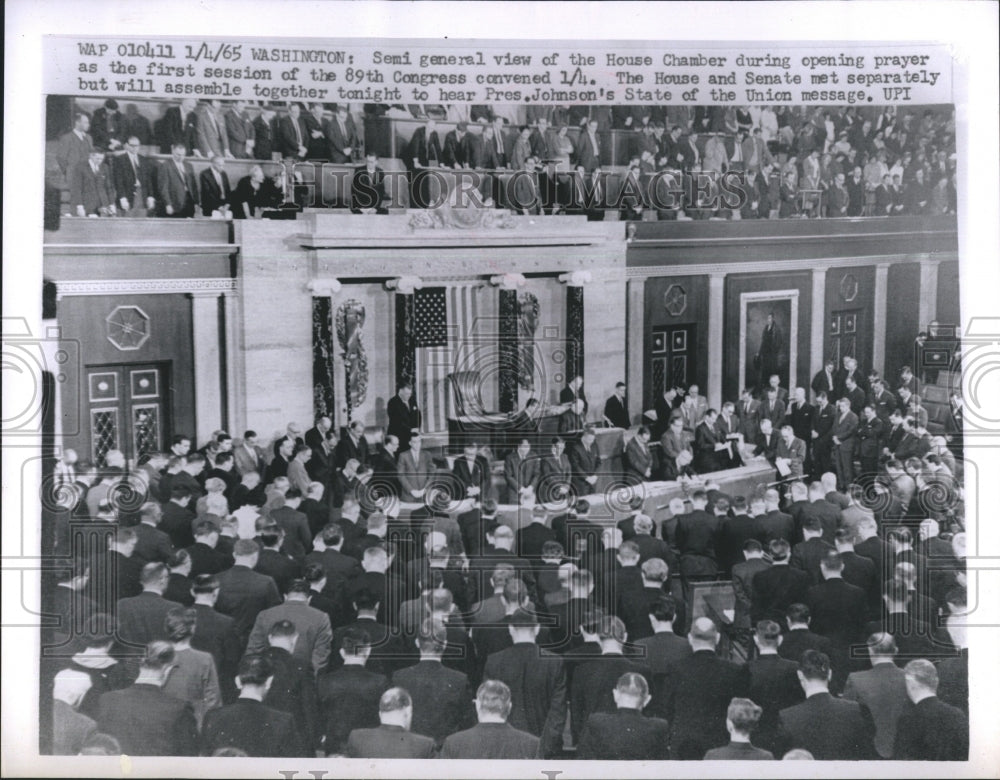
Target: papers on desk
x=784, y=466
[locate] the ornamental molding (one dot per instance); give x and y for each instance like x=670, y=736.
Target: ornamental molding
x=134, y=286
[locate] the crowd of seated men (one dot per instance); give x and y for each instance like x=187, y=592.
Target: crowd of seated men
x=265, y=599
x=709, y=162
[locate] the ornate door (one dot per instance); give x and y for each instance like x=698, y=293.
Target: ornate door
x=672, y=357
x=128, y=408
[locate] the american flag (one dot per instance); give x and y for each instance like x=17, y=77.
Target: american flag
x=443, y=318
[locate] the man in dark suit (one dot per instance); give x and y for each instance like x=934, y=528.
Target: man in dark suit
x=353, y=446
x=830, y=729
x=854, y=394
x=574, y=392
x=441, y=702
x=342, y=136
x=845, y=428
x=403, y=415
x=733, y=533
x=349, y=697
x=807, y=554
x=205, y=558
x=291, y=138
x=216, y=194
x=870, y=433
x=696, y=536
x=555, y=473
x=250, y=725
x=468, y=470
x=392, y=738
x=271, y=561
x=882, y=690
x=616, y=408
x=91, y=187
x=931, y=730
x=775, y=524
x=743, y=574
x=696, y=698
x=537, y=681
x=133, y=180
x=521, y=471
x=665, y=648
x=626, y=733
x=264, y=133
x=492, y=738
x=825, y=379
x=585, y=461
x=638, y=460
x=742, y=718
x=773, y=408
x=293, y=689
x=859, y=570
x=666, y=408
x=778, y=586
x=140, y=618
x=145, y=720
x=243, y=592
x=821, y=440
x=424, y=150
x=215, y=634
x=838, y=608
x=774, y=684
x=706, y=455
x=368, y=192
x=177, y=185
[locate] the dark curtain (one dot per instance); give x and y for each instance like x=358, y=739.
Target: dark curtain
x=323, y=347
x=406, y=350
x=508, y=350
x=574, y=332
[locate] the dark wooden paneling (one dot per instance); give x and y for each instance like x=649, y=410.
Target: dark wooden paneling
x=901, y=317
x=82, y=319
x=948, y=300
x=865, y=302
x=656, y=315
x=736, y=285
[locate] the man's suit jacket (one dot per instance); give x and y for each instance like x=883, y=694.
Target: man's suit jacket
x=70, y=729
x=415, y=471
x=341, y=140
x=932, y=731
x=470, y=475
x=263, y=138
x=131, y=183
x=72, y=150
x=496, y=741
x=348, y=699
x=256, y=729
x=860, y=572
x=211, y=138
x=831, y=729
x=734, y=532
x=739, y=751
x=882, y=690
x=749, y=417
x=537, y=682
x=637, y=460
x=705, y=457
x=624, y=735
x=207, y=560
x=279, y=566
x=215, y=633
x=442, y=699
x=845, y=426
x=774, y=685
x=743, y=574
x=797, y=641
x=286, y=140
x=243, y=594
x=616, y=411
x=298, y=539
x=175, y=190
x=774, y=412
x=775, y=525
x=141, y=618
x=239, y=130
x=348, y=449
x=696, y=698
x=774, y=590
x=588, y=152
x=152, y=545
x=823, y=419
x=838, y=611
x=584, y=462
x=388, y=741
x=178, y=129
x=148, y=722
x=246, y=461
x=806, y=556
x=93, y=191
x=520, y=472
x=697, y=533
x=423, y=148
x=795, y=452
x=312, y=625
x=828, y=513
x=213, y=196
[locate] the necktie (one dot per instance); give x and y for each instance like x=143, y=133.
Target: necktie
x=180, y=170
x=135, y=162
x=499, y=141
x=298, y=134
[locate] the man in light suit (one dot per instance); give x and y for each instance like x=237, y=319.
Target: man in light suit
x=311, y=625
x=211, y=138
x=882, y=689
x=693, y=409
x=248, y=456
x=178, y=186
x=216, y=193
x=845, y=428
x=792, y=450
x=392, y=738
x=493, y=737
x=416, y=470
x=240, y=132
